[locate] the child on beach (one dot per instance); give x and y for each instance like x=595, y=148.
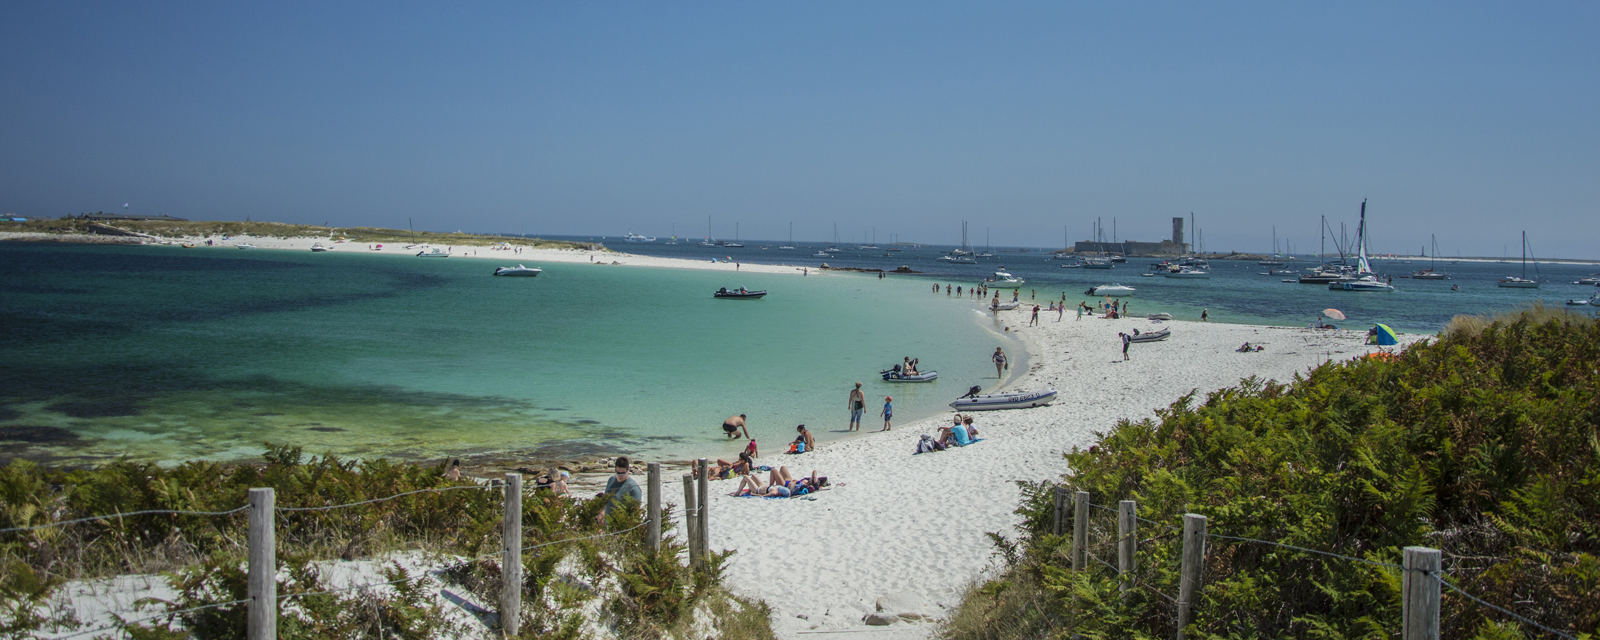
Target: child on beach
x=888, y=411
x=803, y=442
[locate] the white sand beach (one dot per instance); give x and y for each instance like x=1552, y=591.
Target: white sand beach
x=912, y=528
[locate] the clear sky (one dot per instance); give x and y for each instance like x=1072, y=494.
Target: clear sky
x=1468, y=120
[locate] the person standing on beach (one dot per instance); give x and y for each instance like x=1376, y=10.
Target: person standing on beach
x=1203, y=315
x=1033, y=294
x=958, y=291
x=733, y=425
x=1080, y=312
x=888, y=412
x=947, y=291
x=857, y=404
x=996, y=301
x=999, y=358
x=1035, y=321
x=1125, y=342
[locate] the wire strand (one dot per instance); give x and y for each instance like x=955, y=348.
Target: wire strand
x=1497, y=608
x=1290, y=546
x=126, y=515
x=124, y=624
x=385, y=499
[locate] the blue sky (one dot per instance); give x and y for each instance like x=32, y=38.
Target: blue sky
x=1468, y=120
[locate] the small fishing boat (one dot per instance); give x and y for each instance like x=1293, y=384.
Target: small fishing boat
x=1154, y=336
x=1003, y=280
x=318, y=248
x=894, y=375
x=974, y=401
x=821, y=254
x=433, y=253
x=1594, y=279
x=738, y=294
x=518, y=271
x=1113, y=290
x=1160, y=316
x=955, y=259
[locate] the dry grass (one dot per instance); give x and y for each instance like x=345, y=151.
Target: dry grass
x=1536, y=312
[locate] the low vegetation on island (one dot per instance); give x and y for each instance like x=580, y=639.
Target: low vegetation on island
x=179, y=229
x=584, y=584
x=1483, y=443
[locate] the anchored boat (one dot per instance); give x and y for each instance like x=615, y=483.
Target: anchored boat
x=519, y=271
x=739, y=294
x=1009, y=400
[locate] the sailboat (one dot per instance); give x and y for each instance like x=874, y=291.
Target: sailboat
x=735, y=244
x=834, y=248
x=1274, y=262
x=1365, y=280
x=1063, y=254
x=674, y=239
x=874, y=243
x=1522, y=282
x=1429, y=273
x=790, y=246
x=962, y=255
x=989, y=252
x=1100, y=261
x=707, y=242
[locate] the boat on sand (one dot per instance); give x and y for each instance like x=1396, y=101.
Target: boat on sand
x=1154, y=336
x=974, y=401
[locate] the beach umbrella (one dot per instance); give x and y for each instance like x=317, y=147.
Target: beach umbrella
x=1333, y=313
x=1385, y=335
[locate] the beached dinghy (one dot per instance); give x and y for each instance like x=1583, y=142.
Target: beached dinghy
x=894, y=375
x=1160, y=316
x=518, y=271
x=738, y=294
x=433, y=253
x=1009, y=400
x=1004, y=306
x=1154, y=336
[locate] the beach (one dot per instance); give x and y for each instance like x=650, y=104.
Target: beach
x=912, y=529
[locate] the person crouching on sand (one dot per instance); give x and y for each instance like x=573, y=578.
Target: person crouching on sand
x=733, y=425
x=803, y=442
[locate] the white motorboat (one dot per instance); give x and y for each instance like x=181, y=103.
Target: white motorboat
x=1188, y=272
x=1008, y=400
x=632, y=237
x=1593, y=301
x=433, y=253
x=821, y=254
x=246, y=246
x=1113, y=290
x=1364, y=283
x=1594, y=279
x=955, y=259
x=1003, y=280
x=318, y=248
x=518, y=271
x=1096, y=263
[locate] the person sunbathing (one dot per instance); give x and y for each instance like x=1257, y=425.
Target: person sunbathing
x=779, y=484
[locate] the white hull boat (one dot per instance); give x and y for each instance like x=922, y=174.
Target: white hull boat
x=1187, y=273
x=318, y=248
x=1154, y=336
x=519, y=271
x=1003, y=280
x=631, y=237
x=433, y=253
x=1514, y=282
x=1004, y=306
x=1010, y=400
x=247, y=246
x=1160, y=316
x=1368, y=283
x=1113, y=290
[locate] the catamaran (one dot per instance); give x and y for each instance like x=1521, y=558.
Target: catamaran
x=1366, y=279
x=1522, y=282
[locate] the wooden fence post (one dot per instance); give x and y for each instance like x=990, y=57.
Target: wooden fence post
x=1127, y=542
x=511, y=557
x=1419, y=591
x=1061, y=506
x=262, y=582
x=1080, y=531
x=653, y=532
x=705, y=511
x=1194, y=553
x=691, y=530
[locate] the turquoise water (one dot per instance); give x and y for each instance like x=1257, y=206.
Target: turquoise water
x=161, y=353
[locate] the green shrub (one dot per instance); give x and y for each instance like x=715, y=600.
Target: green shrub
x=1483, y=443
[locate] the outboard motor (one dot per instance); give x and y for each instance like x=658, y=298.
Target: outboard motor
x=971, y=393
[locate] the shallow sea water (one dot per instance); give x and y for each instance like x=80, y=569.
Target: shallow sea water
x=166, y=354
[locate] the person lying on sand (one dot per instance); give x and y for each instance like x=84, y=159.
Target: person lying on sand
x=780, y=484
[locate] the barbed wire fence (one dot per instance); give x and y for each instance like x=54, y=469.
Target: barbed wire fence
x=263, y=601
x=1422, y=574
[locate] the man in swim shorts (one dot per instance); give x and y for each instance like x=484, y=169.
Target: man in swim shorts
x=732, y=426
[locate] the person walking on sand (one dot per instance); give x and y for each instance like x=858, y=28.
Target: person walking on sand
x=1125, y=342
x=1000, y=364
x=1203, y=315
x=888, y=412
x=1061, y=311
x=857, y=404
x=1080, y=312
x=733, y=425
x=1035, y=321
